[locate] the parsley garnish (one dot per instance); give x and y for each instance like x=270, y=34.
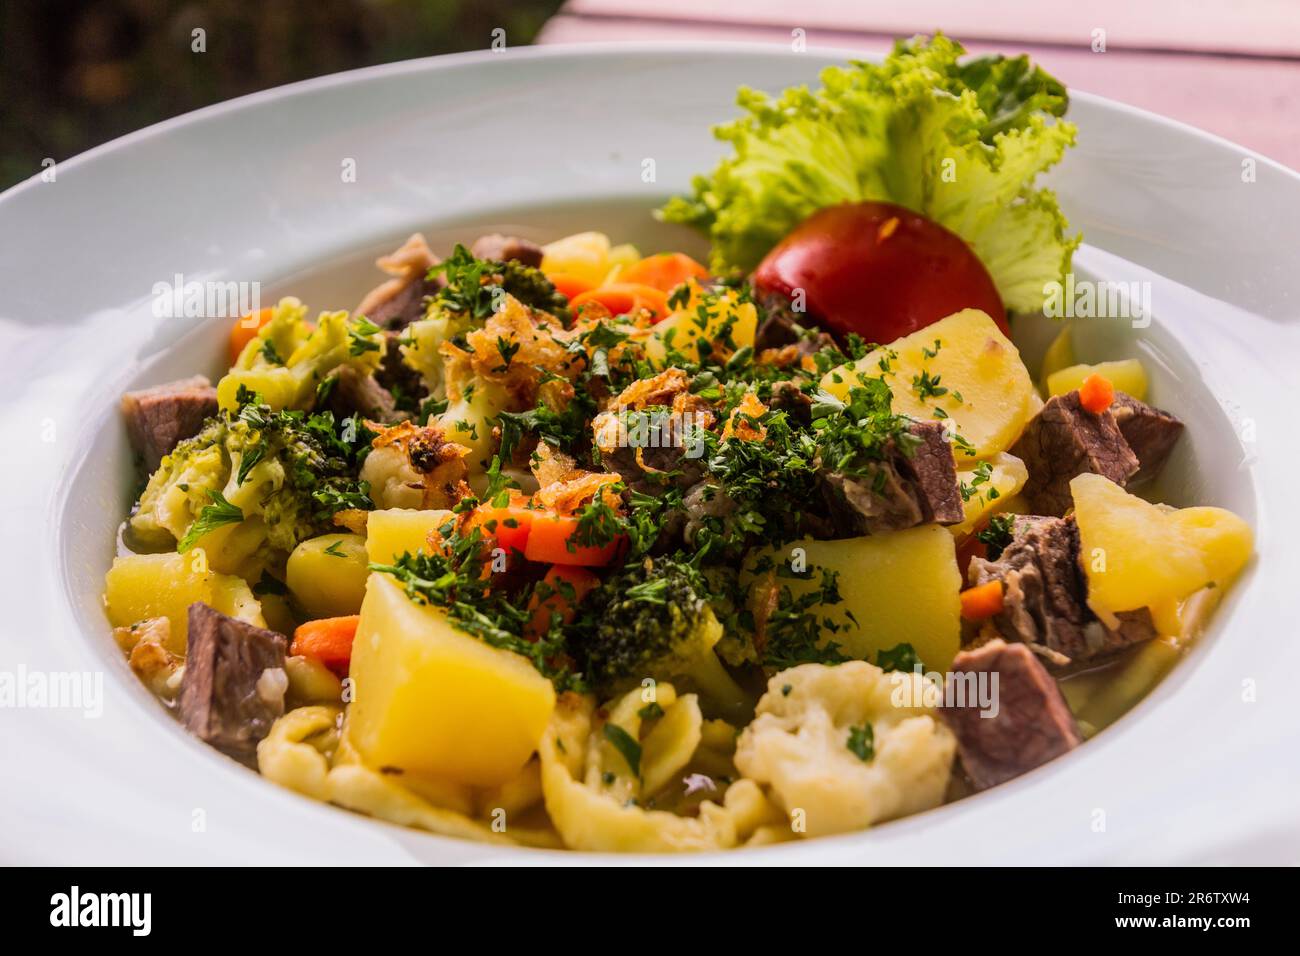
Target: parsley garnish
x=900, y=657
x=221, y=512
x=625, y=744
x=862, y=743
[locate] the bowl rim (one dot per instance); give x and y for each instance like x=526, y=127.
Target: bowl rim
x=602, y=50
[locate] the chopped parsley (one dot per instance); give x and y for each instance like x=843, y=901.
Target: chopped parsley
x=626, y=745
x=216, y=515
x=862, y=743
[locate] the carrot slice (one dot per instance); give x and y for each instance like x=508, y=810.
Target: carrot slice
x=244, y=330
x=570, y=285
x=982, y=601
x=665, y=271
x=622, y=298
x=549, y=541
x=329, y=640
x=507, y=527
x=564, y=587
x=1096, y=393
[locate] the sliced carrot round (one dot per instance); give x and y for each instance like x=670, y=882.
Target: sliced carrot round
x=1096, y=393
x=982, y=601
x=561, y=591
x=329, y=640
x=507, y=527
x=623, y=298
x=664, y=271
x=570, y=285
x=550, y=541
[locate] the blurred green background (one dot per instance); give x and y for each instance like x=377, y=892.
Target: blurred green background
x=76, y=73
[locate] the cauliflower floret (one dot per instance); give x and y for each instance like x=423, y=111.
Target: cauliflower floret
x=809, y=744
x=413, y=467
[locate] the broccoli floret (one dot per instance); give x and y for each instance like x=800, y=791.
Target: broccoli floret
x=473, y=285
x=290, y=357
x=251, y=485
x=653, y=620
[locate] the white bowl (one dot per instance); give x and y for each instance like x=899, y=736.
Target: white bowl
x=550, y=141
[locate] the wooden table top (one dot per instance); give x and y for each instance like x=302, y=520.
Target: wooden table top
x=1231, y=68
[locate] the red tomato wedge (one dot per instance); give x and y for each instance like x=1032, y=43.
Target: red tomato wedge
x=878, y=270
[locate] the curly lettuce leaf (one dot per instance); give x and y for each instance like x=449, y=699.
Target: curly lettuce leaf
x=958, y=142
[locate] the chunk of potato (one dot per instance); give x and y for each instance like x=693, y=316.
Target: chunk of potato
x=327, y=574
x=990, y=487
x=1137, y=554
x=988, y=395
x=1127, y=375
x=395, y=531
x=730, y=324
x=431, y=699
x=468, y=421
x=586, y=255
x=899, y=587
x=141, y=586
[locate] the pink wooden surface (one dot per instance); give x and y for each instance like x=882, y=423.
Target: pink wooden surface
x=1230, y=68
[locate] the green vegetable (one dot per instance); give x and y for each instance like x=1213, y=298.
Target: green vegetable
x=862, y=743
x=220, y=512
x=652, y=621
x=997, y=535
x=900, y=657
x=280, y=475
x=453, y=580
x=625, y=744
x=959, y=143
x=473, y=284
x=289, y=359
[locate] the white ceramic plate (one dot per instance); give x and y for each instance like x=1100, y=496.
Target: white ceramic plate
x=549, y=141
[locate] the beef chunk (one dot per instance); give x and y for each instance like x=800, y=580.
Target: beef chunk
x=1029, y=722
x=397, y=303
x=666, y=463
x=159, y=417
x=1064, y=440
x=788, y=397
x=780, y=325
x=933, y=473
x=402, y=382
x=404, y=306
x=224, y=699
x=356, y=393
x=1150, y=432
x=501, y=248
x=1045, y=596
x=908, y=487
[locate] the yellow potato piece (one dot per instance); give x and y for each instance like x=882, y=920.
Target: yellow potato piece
x=431, y=699
x=584, y=254
x=991, y=489
x=327, y=574
x=1127, y=375
x=989, y=395
x=141, y=586
x=730, y=324
x=1137, y=554
x=901, y=587
x=395, y=531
